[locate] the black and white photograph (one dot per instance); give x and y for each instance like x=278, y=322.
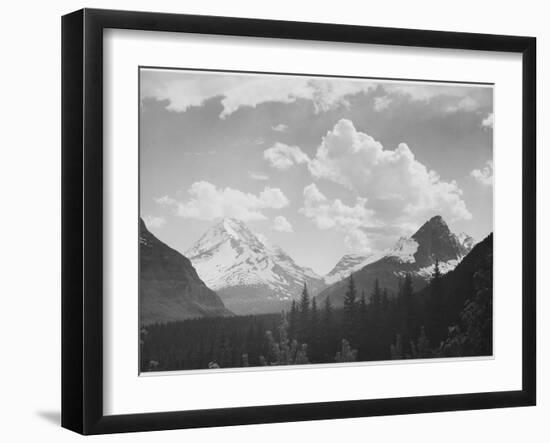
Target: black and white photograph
x=297, y=219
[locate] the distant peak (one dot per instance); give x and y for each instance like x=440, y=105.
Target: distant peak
x=435, y=223
x=437, y=219
x=232, y=222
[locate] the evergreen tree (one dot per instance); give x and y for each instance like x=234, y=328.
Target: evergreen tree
x=293, y=320
x=376, y=296
x=407, y=308
x=364, y=326
x=303, y=325
x=327, y=330
x=350, y=311
x=363, y=308
x=314, y=313
x=304, y=302
x=313, y=339
x=327, y=313
x=437, y=320
x=346, y=354
x=385, y=302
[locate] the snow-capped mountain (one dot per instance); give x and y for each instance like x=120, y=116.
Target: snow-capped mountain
x=347, y=265
x=415, y=255
x=248, y=273
x=404, y=251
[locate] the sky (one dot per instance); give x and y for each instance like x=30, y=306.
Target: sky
x=320, y=166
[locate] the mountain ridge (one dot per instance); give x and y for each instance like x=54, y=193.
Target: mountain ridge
x=170, y=288
x=248, y=273
x=415, y=255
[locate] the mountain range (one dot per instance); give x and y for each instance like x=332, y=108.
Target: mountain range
x=230, y=269
x=416, y=256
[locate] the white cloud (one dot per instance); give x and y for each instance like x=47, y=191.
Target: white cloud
x=484, y=175
x=206, y=202
x=183, y=90
x=257, y=176
x=165, y=200
x=399, y=189
x=280, y=127
x=466, y=104
x=425, y=92
x=281, y=224
x=153, y=222
x=381, y=103
x=488, y=121
x=333, y=214
x=282, y=156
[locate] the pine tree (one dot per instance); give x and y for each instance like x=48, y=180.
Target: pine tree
x=363, y=308
x=346, y=354
x=327, y=312
x=314, y=313
x=364, y=326
x=376, y=297
x=406, y=308
x=313, y=339
x=293, y=320
x=350, y=311
x=304, y=302
x=385, y=302
x=303, y=314
x=437, y=321
x=327, y=329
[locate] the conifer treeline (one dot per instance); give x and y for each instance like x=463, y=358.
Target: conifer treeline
x=434, y=322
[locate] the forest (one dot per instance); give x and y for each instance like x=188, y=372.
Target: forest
x=450, y=317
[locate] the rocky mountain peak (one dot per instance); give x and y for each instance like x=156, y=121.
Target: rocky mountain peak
x=234, y=261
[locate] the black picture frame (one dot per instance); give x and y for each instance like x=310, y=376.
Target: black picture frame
x=82, y=220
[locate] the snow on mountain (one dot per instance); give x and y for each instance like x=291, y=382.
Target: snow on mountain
x=248, y=273
x=432, y=242
x=466, y=241
x=404, y=250
x=347, y=265
x=444, y=267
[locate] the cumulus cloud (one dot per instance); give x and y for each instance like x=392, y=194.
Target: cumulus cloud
x=333, y=214
x=381, y=103
x=466, y=104
x=448, y=98
x=257, y=176
x=281, y=224
x=280, y=127
x=282, y=156
x=183, y=89
x=484, y=175
x=207, y=202
x=488, y=121
x=398, y=187
x=153, y=222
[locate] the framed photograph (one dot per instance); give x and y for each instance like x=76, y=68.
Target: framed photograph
x=270, y=221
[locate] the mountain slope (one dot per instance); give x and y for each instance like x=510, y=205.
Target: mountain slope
x=170, y=288
x=347, y=265
x=249, y=274
x=415, y=255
